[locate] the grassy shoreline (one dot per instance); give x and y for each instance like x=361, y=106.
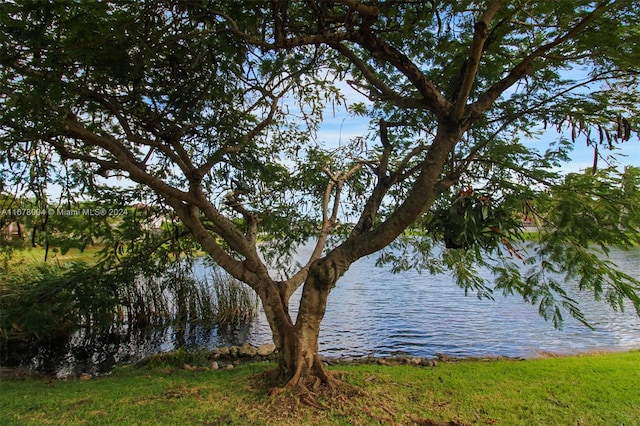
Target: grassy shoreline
x=594, y=389
x=30, y=256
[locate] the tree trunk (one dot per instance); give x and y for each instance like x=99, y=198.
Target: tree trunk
x=300, y=368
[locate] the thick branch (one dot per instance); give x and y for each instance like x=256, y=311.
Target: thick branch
x=384, y=91
x=480, y=34
x=124, y=158
x=64, y=152
x=228, y=230
x=434, y=101
x=363, y=36
x=364, y=239
x=191, y=218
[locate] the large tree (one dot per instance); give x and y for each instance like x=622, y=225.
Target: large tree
x=214, y=106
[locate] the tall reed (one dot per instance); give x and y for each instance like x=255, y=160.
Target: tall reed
x=50, y=301
x=235, y=301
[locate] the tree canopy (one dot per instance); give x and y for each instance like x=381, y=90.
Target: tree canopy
x=212, y=110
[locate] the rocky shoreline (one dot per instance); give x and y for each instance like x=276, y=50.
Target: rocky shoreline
x=231, y=356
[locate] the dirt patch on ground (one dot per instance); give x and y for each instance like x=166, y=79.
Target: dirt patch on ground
x=19, y=373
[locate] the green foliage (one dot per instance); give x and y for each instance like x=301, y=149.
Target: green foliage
x=208, y=112
x=580, y=220
x=473, y=219
x=589, y=209
x=576, y=222
x=49, y=301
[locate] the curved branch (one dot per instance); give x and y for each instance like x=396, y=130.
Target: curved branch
x=191, y=218
x=363, y=36
x=64, y=152
x=385, y=92
x=485, y=101
x=179, y=159
x=480, y=34
x=125, y=159
x=328, y=225
x=434, y=101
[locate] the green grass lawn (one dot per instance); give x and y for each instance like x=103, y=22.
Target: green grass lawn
x=599, y=389
x=30, y=256
x=35, y=255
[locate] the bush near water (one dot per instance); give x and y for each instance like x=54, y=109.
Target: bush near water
x=48, y=301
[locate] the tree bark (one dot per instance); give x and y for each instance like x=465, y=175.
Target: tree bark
x=300, y=367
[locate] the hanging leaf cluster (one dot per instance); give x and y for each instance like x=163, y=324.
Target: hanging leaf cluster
x=471, y=218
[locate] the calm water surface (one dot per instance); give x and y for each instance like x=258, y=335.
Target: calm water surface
x=374, y=312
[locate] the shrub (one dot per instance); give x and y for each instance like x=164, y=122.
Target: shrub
x=50, y=302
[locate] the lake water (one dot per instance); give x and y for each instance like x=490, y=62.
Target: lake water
x=373, y=312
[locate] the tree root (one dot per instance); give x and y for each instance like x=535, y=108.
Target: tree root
x=306, y=382
x=308, y=387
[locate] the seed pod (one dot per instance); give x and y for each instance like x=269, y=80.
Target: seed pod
x=627, y=129
x=620, y=131
x=600, y=134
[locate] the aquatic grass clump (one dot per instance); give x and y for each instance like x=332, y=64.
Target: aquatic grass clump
x=235, y=301
x=177, y=298
x=169, y=299
x=49, y=301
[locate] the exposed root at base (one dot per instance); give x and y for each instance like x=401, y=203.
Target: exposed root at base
x=309, y=389
x=291, y=402
x=344, y=398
